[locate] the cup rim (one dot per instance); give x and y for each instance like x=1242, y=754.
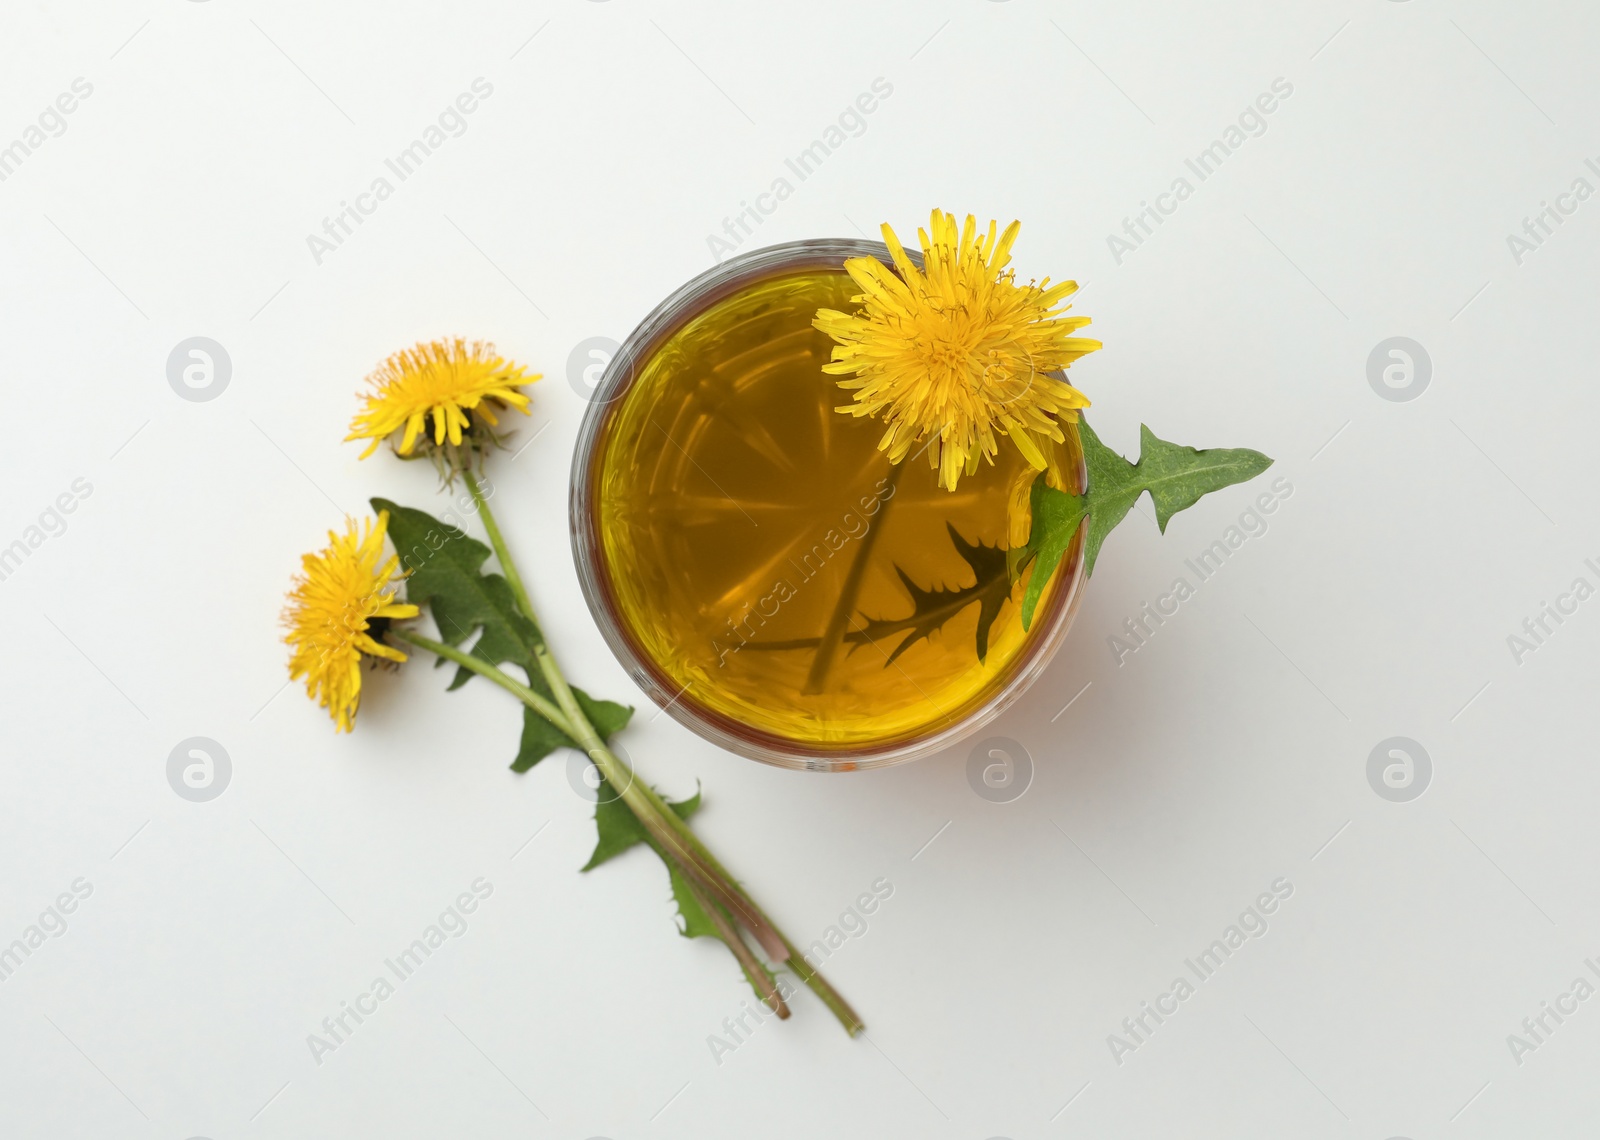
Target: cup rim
x=694, y=296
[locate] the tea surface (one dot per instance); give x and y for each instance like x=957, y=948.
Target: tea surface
x=737, y=507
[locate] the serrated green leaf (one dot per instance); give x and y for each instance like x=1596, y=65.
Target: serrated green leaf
x=496, y=646
x=539, y=739
x=1175, y=476
x=446, y=575
x=608, y=717
x=618, y=829
x=1056, y=516
x=695, y=922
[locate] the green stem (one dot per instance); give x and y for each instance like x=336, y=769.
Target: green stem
x=759, y=978
x=680, y=844
x=516, y=688
x=640, y=799
x=651, y=811
x=519, y=592
x=664, y=824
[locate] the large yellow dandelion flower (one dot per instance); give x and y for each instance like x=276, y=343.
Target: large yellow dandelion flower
x=340, y=601
x=958, y=350
x=442, y=382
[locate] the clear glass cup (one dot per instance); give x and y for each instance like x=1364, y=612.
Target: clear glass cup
x=731, y=280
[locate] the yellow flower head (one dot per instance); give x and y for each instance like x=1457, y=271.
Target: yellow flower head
x=337, y=606
x=441, y=382
x=951, y=352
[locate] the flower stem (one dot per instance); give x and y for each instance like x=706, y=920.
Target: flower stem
x=760, y=979
x=833, y=632
x=516, y=688
x=671, y=844
x=650, y=809
x=519, y=592
x=674, y=835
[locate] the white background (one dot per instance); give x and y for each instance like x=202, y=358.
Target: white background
x=1229, y=751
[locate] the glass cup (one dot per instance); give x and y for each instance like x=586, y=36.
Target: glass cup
x=715, y=408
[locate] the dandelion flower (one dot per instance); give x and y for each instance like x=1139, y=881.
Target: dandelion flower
x=337, y=613
x=957, y=353
x=439, y=382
